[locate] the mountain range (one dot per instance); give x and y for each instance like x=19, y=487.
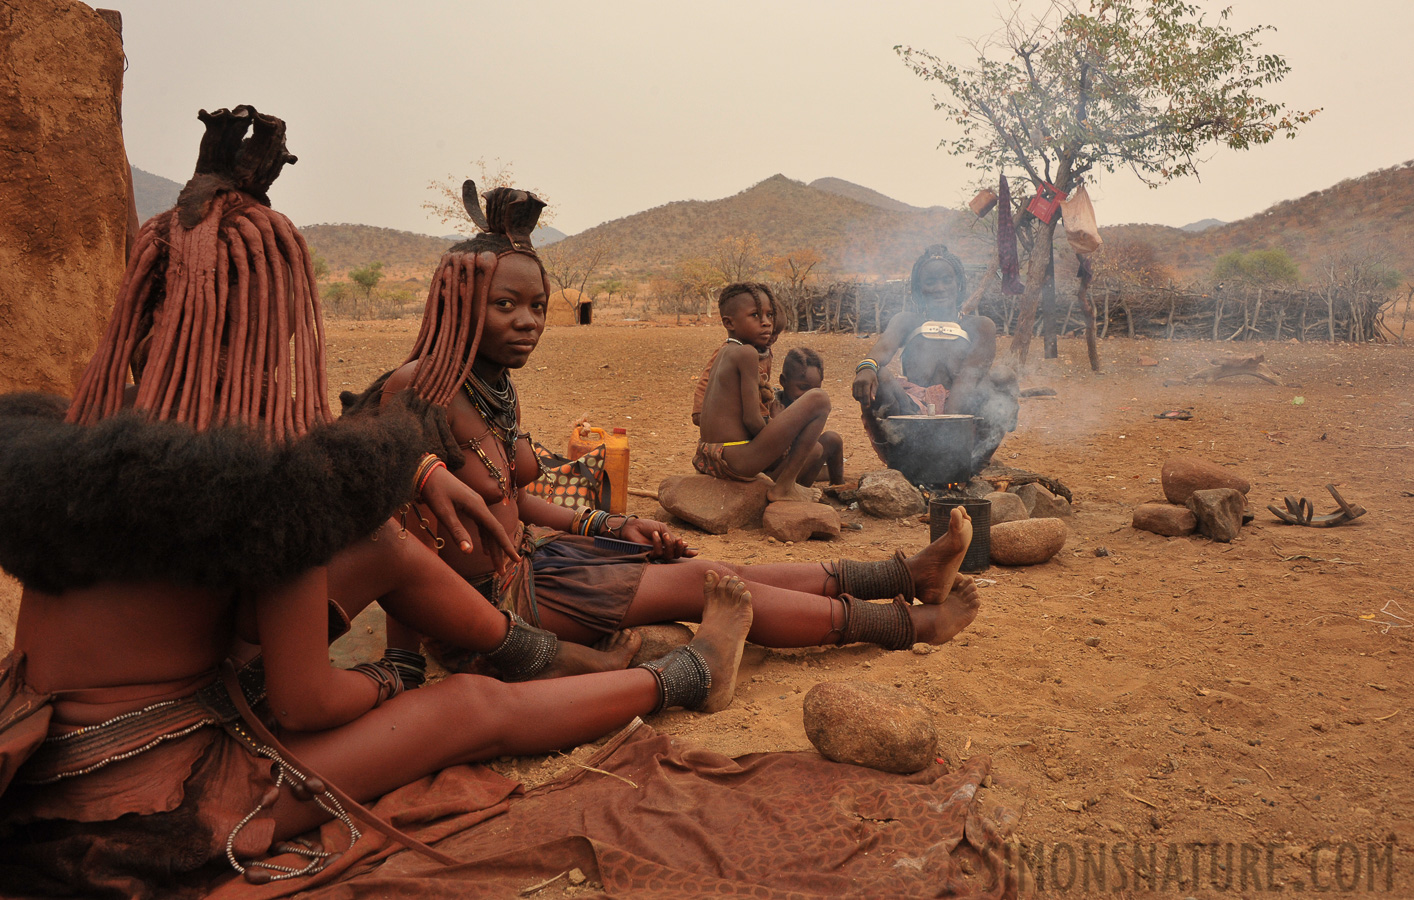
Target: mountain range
x=861, y=231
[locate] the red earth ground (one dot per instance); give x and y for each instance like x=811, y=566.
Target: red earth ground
x=1177, y=695
x=1188, y=698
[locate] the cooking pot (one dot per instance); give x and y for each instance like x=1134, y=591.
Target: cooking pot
x=930, y=450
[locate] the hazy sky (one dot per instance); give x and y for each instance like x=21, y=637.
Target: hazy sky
x=611, y=108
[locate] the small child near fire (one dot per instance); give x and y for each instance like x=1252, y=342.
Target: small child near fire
x=803, y=370
x=736, y=440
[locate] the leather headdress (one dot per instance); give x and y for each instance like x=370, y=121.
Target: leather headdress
x=511, y=212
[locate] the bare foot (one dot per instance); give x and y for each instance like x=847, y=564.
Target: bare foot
x=790, y=490
x=934, y=568
x=938, y=623
x=726, y=618
x=609, y=655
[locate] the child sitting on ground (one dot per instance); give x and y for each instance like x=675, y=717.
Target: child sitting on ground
x=736, y=440
x=802, y=371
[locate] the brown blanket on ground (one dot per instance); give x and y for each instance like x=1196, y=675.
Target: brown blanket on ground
x=691, y=823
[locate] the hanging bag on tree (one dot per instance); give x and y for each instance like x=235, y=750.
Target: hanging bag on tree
x=1080, y=226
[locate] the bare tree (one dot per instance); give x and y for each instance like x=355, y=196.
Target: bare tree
x=446, y=203
x=570, y=263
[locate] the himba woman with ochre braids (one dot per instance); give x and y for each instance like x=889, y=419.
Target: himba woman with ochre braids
x=485, y=315
x=157, y=525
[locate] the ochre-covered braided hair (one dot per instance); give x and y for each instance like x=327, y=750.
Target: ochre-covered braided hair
x=217, y=316
x=456, y=302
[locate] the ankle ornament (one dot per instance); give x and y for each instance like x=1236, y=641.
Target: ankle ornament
x=887, y=624
x=525, y=652
x=683, y=679
x=881, y=579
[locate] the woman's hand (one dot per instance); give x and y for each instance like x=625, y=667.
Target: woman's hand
x=446, y=495
x=866, y=386
x=665, y=544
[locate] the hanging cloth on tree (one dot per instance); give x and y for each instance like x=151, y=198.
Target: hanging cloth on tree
x=1006, y=243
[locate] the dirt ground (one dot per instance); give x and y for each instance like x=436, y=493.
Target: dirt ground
x=1254, y=693
x=1177, y=697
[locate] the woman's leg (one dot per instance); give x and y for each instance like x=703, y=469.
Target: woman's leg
x=809, y=613
x=467, y=718
x=424, y=596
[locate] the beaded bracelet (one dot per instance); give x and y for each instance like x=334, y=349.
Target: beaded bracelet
x=425, y=467
x=867, y=363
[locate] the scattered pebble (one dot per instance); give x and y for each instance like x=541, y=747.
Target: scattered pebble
x=577, y=877
x=1092, y=642
x=1098, y=621
x=1102, y=551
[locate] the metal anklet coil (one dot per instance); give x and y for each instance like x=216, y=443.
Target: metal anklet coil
x=881, y=579
x=887, y=624
x=683, y=679
x=526, y=651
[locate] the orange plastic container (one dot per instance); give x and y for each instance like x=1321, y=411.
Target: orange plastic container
x=585, y=438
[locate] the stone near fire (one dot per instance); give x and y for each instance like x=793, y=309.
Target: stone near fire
x=795, y=520
x=885, y=493
x=1041, y=503
x=714, y=505
x=659, y=640
x=1165, y=519
x=1219, y=512
x=1029, y=542
x=1182, y=475
x=870, y=725
x=1007, y=507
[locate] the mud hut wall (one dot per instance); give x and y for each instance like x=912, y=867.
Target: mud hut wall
x=63, y=186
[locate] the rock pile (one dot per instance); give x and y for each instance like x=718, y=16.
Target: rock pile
x=1202, y=497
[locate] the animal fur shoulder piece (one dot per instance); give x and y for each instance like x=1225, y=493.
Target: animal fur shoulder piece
x=130, y=500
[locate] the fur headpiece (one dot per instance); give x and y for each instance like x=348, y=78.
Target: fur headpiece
x=131, y=500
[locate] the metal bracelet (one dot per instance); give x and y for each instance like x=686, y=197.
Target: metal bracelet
x=410, y=665
x=887, y=624
x=882, y=579
x=683, y=679
x=525, y=652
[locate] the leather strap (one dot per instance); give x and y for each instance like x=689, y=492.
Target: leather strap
x=365, y=815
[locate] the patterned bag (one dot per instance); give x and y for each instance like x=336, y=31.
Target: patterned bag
x=571, y=482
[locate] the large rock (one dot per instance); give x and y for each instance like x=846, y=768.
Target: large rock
x=714, y=505
x=1028, y=542
x=1007, y=507
x=63, y=188
x=870, y=725
x=1219, y=512
x=887, y=494
x=1182, y=475
x=1165, y=519
x=795, y=520
x=1041, y=503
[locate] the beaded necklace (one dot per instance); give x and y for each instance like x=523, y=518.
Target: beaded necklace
x=496, y=404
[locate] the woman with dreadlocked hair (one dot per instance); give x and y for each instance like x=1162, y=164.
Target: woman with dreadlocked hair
x=209, y=512
x=947, y=362
x=485, y=314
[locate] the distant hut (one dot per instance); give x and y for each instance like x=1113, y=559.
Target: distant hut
x=569, y=307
